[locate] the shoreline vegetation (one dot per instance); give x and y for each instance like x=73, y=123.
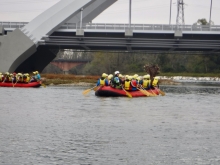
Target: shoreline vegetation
x=88, y=80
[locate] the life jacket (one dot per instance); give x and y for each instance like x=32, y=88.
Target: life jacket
x=7, y=78
x=134, y=83
x=146, y=83
x=20, y=78
x=102, y=82
x=155, y=83
x=26, y=79
x=127, y=85
x=115, y=81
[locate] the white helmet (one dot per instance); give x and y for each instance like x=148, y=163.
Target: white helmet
x=117, y=72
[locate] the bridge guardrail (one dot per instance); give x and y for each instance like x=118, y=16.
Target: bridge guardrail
x=161, y=27
x=104, y=26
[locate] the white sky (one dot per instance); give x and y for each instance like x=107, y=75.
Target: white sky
x=143, y=11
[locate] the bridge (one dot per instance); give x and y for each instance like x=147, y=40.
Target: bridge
x=31, y=46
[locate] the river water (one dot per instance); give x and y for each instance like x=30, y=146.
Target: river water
x=59, y=125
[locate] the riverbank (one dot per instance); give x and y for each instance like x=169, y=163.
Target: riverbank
x=82, y=80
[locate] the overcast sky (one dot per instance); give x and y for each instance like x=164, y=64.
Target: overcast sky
x=143, y=11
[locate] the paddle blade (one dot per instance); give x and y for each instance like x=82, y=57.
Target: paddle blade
x=153, y=93
x=128, y=94
x=162, y=93
x=43, y=85
x=86, y=91
x=143, y=91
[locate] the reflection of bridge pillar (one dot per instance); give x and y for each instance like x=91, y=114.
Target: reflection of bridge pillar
x=65, y=66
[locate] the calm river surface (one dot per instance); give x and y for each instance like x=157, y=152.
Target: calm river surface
x=58, y=125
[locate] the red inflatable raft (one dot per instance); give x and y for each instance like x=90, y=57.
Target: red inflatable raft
x=25, y=85
x=113, y=92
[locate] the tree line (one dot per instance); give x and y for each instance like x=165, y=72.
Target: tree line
x=126, y=62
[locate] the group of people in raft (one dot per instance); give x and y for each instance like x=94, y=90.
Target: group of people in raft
x=127, y=82
x=19, y=77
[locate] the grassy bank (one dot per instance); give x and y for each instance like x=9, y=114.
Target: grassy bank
x=57, y=79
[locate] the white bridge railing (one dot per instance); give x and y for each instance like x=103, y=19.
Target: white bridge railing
x=106, y=27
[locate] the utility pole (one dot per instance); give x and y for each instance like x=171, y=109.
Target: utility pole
x=81, y=11
x=170, y=10
x=180, y=13
x=130, y=14
x=210, y=13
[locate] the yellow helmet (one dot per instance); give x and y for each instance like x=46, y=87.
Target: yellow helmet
x=130, y=77
x=120, y=76
x=110, y=76
x=146, y=76
x=104, y=75
x=156, y=78
x=0, y=73
x=135, y=76
x=36, y=72
x=7, y=73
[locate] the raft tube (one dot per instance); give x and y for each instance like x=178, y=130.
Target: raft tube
x=108, y=91
x=24, y=85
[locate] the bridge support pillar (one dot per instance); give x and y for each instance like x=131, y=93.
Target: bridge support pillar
x=15, y=48
x=2, y=31
x=80, y=32
x=128, y=33
x=178, y=34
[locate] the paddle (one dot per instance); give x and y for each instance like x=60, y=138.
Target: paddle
x=43, y=85
x=88, y=90
x=96, y=88
x=154, y=94
x=160, y=91
x=16, y=81
x=149, y=94
x=127, y=93
x=142, y=91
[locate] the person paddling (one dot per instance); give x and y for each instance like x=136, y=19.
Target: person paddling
x=103, y=81
x=36, y=77
x=155, y=83
x=116, y=82
x=145, y=82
